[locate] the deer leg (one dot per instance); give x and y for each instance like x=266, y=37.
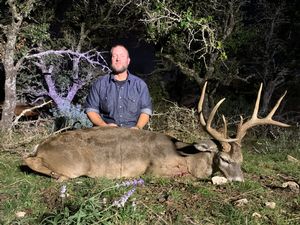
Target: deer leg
x=62, y=178
x=36, y=163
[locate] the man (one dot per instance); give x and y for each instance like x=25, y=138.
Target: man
x=119, y=98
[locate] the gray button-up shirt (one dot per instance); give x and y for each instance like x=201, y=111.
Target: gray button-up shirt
x=119, y=102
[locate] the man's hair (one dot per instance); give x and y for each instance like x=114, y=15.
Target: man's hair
x=118, y=45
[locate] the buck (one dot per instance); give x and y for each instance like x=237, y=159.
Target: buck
x=122, y=152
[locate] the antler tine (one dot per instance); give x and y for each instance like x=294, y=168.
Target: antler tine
x=255, y=111
x=254, y=121
x=213, y=132
x=225, y=126
x=200, y=105
x=270, y=115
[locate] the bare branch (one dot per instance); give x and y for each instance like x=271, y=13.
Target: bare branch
x=29, y=110
x=94, y=58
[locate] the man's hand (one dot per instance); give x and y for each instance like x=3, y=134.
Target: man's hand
x=111, y=125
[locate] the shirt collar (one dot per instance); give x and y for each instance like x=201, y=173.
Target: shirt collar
x=129, y=77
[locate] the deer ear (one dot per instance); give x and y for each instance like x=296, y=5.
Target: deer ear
x=180, y=145
x=206, y=147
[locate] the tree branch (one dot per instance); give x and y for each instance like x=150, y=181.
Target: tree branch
x=92, y=57
x=28, y=110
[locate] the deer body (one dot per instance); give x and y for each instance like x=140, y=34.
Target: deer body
x=122, y=152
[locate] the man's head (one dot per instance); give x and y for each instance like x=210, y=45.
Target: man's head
x=119, y=59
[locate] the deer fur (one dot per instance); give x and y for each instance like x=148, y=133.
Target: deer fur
x=123, y=152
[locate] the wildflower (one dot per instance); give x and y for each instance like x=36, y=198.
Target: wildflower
x=121, y=202
x=134, y=204
x=128, y=183
x=104, y=201
x=63, y=191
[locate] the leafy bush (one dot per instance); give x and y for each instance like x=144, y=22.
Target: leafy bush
x=72, y=116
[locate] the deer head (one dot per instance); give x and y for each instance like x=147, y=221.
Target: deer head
x=230, y=157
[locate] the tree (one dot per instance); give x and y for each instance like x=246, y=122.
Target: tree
x=194, y=32
x=76, y=62
x=62, y=51
x=269, y=55
x=19, y=11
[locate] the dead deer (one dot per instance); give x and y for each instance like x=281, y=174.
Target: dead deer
x=122, y=152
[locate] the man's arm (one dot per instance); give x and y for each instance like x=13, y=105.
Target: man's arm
x=142, y=121
x=96, y=119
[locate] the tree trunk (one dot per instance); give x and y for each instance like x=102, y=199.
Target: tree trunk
x=10, y=80
x=9, y=102
x=267, y=95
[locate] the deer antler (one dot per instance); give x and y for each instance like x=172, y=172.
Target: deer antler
x=207, y=125
x=254, y=121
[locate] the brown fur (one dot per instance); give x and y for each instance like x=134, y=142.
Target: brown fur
x=121, y=152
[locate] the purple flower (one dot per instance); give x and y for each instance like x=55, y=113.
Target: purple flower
x=63, y=191
x=121, y=202
x=128, y=183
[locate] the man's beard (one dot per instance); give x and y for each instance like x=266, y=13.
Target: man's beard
x=120, y=70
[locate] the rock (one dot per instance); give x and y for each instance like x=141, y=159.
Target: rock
x=292, y=159
x=256, y=215
x=270, y=205
x=217, y=180
x=241, y=202
x=20, y=214
x=293, y=186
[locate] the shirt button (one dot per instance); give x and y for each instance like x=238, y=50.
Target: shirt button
x=120, y=115
x=120, y=106
x=120, y=97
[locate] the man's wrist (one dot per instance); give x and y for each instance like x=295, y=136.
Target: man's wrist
x=137, y=128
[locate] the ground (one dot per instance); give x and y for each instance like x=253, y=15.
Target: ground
x=30, y=198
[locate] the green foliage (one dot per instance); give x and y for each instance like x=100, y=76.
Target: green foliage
x=36, y=33
x=72, y=116
x=191, y=35
x=242, y=38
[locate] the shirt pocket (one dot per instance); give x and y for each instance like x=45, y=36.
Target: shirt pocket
x=132, y=104
x=105, y=104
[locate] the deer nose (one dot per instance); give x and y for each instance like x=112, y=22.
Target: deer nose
x=237, y=178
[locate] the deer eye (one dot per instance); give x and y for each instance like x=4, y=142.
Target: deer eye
x=202, y=146
x=225, y=159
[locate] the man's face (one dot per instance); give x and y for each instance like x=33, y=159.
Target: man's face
x=119, y=59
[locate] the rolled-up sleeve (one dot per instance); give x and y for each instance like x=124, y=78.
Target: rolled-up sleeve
x=92, y=102
x=146, y=104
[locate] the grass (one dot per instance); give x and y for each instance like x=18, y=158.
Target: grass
x=160, y=200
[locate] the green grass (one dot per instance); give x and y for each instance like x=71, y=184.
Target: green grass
x=160, y=200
